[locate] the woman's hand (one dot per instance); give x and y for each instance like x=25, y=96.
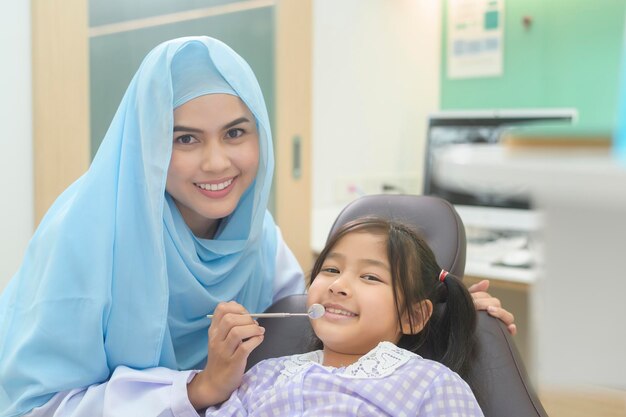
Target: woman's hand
x=484, y=301
x=232, y=336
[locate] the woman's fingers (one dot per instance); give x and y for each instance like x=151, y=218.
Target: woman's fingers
x=485, y=301
x=225, y=308
x=241, y=334
x=481, y=286
x=505, y=316
x=227, y=316
x=232, y=326
x=221, y=328
x=494, y=309
x=247, y=346
x=233, y=351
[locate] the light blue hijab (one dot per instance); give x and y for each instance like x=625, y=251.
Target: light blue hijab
x=113, y=275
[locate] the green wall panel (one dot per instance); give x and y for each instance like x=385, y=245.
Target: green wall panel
x=569, y=57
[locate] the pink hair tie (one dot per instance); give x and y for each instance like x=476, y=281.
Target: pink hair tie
x=442, y=275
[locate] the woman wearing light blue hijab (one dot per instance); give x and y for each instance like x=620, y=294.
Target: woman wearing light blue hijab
x=107, y=314
x=169, y=221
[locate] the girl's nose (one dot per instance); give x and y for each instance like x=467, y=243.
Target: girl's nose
x=339, y=286
x=215, y=157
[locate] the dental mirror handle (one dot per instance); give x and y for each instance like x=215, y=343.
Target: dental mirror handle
x=270, y=315
x=315, y=312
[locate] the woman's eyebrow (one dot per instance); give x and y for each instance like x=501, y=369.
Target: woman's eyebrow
x=236, y=122
x=179, y=128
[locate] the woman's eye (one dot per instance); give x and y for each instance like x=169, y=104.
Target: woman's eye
x=234, y=133
x=330, y=270
x=185, y=139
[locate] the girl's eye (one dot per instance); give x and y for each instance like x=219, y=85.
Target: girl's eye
x=371, y=278
x=186, y=139
x=234, y=133
x=330, y=270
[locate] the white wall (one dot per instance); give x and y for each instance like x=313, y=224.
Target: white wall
x=376, y=76
x=16, y=166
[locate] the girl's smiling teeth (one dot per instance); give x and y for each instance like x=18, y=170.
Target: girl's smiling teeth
x=339, y=311
x=215, y=187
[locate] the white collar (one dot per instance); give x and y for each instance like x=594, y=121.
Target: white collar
x=379, y=362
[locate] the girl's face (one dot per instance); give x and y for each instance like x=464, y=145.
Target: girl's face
x=354, y=284
x=215, y=156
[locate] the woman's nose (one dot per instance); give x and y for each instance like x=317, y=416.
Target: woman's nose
x=215, y=157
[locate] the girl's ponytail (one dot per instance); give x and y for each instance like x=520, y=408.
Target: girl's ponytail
x=450, y=332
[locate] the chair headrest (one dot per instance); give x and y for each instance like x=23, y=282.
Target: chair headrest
x=436, y=219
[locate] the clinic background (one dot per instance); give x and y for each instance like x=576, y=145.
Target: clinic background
x=349, y=86
x=373, y=71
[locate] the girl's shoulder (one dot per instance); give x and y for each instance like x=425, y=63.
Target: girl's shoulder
x=427, y=369
x=432, y=376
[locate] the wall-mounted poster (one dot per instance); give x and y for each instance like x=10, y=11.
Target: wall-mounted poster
x=475, y=36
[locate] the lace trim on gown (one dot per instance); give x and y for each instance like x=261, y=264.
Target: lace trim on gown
x=380, y=362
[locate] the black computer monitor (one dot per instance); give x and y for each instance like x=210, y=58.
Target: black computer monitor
x=496, y=209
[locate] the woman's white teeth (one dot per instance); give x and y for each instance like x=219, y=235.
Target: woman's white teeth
x=341, y=312
x=215, y=187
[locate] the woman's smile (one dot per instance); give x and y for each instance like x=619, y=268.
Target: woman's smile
x=216, y=189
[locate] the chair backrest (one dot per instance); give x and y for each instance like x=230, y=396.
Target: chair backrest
x=503, y=383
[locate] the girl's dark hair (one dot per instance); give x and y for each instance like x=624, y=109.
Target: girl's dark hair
x=449, y=334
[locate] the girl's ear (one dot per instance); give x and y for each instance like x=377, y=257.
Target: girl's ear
x=421, y=314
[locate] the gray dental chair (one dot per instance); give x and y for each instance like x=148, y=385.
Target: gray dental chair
x=503, y=384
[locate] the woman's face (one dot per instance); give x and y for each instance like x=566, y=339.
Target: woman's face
x=215, y=157
x=354, y=284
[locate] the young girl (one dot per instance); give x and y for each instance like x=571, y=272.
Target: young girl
x=385, y=296
x=169, y=221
